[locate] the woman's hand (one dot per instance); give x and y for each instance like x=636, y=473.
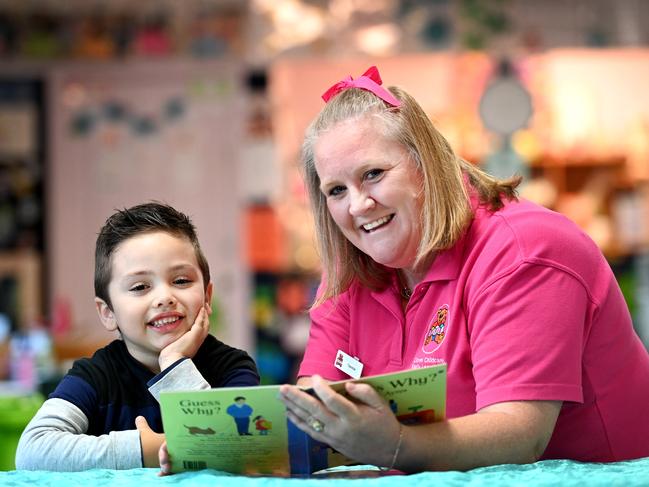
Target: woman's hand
x=361, y=427
x=188, y=344
x=365, y=430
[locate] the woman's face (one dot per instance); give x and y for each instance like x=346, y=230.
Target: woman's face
x=373, y=190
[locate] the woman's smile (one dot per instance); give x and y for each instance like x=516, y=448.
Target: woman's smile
x=376, y=224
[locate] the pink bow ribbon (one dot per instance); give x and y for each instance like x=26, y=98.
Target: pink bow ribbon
x=370, y=80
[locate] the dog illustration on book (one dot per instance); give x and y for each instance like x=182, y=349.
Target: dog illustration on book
x=195, y=430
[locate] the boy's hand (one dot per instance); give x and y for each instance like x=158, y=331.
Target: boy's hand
x=188, y=344
x=165, y=461
x=150, y=441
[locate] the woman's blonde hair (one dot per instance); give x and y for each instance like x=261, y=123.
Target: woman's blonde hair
x=446, y=209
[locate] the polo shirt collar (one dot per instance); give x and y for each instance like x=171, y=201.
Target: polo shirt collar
x=447, y=264
x=445, y=267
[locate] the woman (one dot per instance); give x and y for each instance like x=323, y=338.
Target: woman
x=542, y=358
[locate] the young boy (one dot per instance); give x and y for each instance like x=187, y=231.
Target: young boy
x=152, y=285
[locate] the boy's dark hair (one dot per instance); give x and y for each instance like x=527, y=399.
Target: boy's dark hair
x=139, y=219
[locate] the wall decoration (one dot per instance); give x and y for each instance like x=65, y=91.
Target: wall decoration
x=189, y=161
x=88, y=117
x=114, y=111
x=83, y=122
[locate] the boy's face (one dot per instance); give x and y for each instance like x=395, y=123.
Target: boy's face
x=157, y=290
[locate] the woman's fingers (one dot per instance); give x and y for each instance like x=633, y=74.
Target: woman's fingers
x=306, y=408
x=357, y=423
x=306, y=426
x=325, y=417
x=302, y=403
x=306, y=412
x=365, y=394
x=293, y=400
x=336, y=403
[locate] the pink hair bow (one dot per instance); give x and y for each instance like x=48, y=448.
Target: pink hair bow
x=370, y=80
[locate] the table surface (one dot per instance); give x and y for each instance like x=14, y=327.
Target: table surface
x=546, y=473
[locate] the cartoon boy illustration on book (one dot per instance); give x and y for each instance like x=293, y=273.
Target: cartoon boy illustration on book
x=262, y=425
x=241, y=413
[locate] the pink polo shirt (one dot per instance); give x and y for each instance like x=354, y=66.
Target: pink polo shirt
x=523, y=307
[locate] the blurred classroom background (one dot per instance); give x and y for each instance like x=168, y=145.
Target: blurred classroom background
x=203, y=103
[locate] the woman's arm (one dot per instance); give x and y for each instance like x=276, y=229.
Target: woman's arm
x=508, y=432
x=367, y=431
x=55, y=440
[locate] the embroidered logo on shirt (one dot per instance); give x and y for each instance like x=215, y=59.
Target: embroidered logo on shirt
x=437, y=330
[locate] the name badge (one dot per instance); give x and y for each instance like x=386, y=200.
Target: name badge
x=348, y=364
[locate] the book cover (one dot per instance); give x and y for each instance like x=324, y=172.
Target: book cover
x=244, y=430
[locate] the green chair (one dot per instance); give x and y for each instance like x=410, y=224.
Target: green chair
x=15, y=413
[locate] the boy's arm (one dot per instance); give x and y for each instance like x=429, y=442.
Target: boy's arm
x=180, y=376
x=55, y=439
x=150, y=441
x=185, y=376
x=187, y=345
x=177, y=370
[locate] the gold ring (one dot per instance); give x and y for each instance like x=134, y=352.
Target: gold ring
x=315, y=424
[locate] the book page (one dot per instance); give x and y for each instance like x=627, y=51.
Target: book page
x=238, y=430
x=245, y=430
x=415, y=396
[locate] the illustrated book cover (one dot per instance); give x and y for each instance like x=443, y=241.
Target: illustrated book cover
x=245, y=430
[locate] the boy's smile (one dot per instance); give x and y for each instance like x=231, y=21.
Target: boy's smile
x=156, y=290
x=165, y=322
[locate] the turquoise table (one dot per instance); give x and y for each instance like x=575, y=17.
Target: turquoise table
x=547, y=473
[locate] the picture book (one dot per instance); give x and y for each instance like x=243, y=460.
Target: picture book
x=245, y=430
